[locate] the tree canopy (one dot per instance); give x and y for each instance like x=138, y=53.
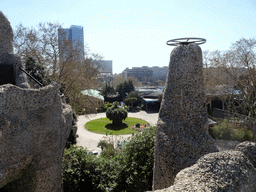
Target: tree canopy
x=232, y=74
x=125, y=88
x=71, y=72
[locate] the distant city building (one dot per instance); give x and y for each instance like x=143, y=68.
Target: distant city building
x=106, y=66
x=105, y=71
x=160, y=73
x=75, y=35
x=142, y=73
x=146, y=73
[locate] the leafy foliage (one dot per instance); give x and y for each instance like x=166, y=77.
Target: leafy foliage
x=116, y=114
x=72, y=135
x=232, y=131
x=107, y=90
x=137, y=160
x=85, y=172
x=125, y=88
x=133, y=99
x=73, y=73
x=36, y=70
x=232, y=75
x=129, y=169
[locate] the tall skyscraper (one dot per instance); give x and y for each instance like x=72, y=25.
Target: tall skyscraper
x=75, y=35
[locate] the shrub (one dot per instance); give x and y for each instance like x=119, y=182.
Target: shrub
x=137, y=160
x=131, y=169
x=72, y=135
x=133, y=99
x=107, y=148
x=116, y=114
x=86, y=172
x=130, y=101
x=227, y=130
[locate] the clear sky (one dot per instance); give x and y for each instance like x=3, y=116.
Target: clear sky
x=133, y=33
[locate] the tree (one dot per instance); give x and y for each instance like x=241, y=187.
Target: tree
x=130, y=101
x=107, y=89
x=125, y=88
x=234, y=73
x=117, y=79
x=133, y=99
x=116, y=114
x=159, y=82
x=71, y=72
x=36, y=70
x=135, y=81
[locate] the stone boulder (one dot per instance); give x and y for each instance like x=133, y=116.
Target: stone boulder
x=249, y=149
x=6, y=37
x=9, y=63
x=34, y=127
x=182, y=129
x=222, y=171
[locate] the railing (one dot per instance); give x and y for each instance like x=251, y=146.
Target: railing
x=41, y=85
x=31, y=77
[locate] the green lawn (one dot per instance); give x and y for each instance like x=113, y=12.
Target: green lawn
x=104, y=124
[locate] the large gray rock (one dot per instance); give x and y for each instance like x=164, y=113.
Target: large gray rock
x=223, y=171
x=249, y=149
x=181, y=134
x=34, y=127
x=6, y=37
x=7, y=58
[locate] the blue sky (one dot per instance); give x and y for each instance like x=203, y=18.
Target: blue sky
x=134, y=33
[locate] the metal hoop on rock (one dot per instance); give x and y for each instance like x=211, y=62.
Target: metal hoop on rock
x=186, y=41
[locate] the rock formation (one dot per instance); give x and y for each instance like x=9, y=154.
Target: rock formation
x=34, y=127
x=9, y=63
x=182, y=129
x=223, y=171
x=249, y=149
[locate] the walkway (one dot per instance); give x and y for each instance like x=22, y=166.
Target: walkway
x=90, y=140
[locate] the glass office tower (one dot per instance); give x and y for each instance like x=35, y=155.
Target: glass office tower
x=75, y=35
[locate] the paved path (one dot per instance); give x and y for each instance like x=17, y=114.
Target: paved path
x=90, y=140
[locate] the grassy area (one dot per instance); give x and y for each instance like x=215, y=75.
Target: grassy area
x=104, y=125
x=232, y=131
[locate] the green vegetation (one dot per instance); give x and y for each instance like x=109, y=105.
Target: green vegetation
x=133, y=99
x=116, y=114
x=129, y=168
x=228, y=130
x=104, y=125
x=125, y=88
x=37, y=71
x=104, y=107
x=107, y=90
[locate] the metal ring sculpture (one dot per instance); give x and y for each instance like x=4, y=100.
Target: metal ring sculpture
x=186, y=41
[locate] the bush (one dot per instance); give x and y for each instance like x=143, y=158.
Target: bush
x=104, y=107
x=86, y=172
x=231, y=131
x=137, y=161
x=130, y=101
x=107, y=148
x=72, y=135
x=133, y=99
x=116, y=114
x=131, y=169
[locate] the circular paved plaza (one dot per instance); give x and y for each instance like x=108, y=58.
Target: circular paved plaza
x=90, y=140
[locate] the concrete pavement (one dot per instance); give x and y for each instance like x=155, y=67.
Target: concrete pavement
x=90, y=140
